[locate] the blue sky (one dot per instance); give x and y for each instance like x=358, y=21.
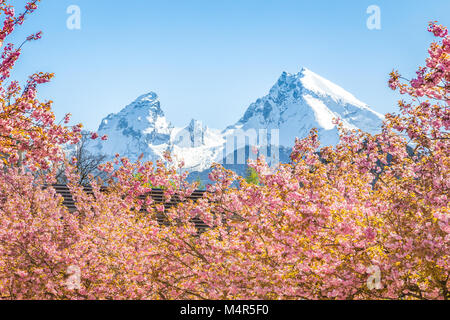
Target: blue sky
x=209, y=59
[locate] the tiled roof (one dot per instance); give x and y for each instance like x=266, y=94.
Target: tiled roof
x=156, y=194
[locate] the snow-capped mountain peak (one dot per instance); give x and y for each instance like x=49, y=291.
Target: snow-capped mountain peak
x=295, y=104
x=135, y=129
x=302, y=101
x=149, y=97
x=321, y=86
x=146, y=107
x=143, y=113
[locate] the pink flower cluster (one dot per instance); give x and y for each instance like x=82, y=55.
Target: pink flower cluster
x=28, y=132
x=314, y=228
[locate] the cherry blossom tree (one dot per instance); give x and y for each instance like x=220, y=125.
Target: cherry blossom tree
x=29, y=134
x=365, y=219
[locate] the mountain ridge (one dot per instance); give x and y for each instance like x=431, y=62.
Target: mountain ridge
x=294, y=105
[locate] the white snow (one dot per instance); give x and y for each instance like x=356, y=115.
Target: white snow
x=322, y=86
x=295, y=104
x=323, y=115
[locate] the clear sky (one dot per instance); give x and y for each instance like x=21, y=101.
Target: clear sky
x=209, y=59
